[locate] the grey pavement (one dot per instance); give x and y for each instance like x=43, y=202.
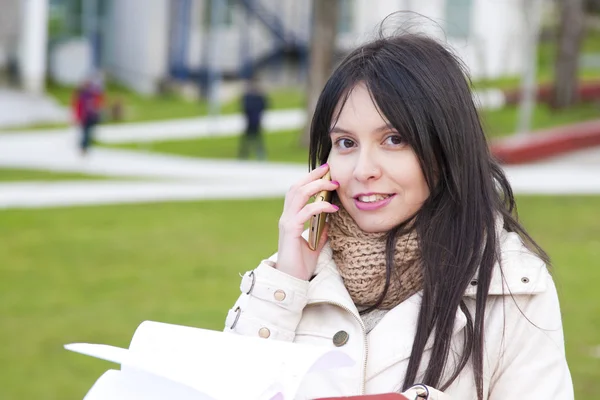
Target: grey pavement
x=19, y=108
x=185, y=128
x=157, y=177
x=59, y=153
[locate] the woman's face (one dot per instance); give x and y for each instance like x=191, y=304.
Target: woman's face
x=381, y=182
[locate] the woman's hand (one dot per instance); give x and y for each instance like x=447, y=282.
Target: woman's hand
x=294, y=257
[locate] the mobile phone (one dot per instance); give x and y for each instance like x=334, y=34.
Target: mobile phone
x=317, y=222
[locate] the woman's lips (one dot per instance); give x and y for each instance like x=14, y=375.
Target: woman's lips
x=373, y=205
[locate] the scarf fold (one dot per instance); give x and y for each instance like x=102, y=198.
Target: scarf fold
x=360, y=258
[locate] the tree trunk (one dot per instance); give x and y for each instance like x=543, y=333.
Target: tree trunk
x=567, y=58
x=531, y=22
x=322, y=47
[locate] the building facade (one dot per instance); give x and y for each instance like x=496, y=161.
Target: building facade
x=143, y=43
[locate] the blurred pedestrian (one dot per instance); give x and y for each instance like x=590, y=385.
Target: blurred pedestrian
x=87, y=107
x=254, y=103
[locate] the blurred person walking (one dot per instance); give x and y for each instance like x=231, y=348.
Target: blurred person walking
x=254, y=103
x=88, y=100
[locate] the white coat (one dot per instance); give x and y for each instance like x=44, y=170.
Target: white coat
x=524, y=353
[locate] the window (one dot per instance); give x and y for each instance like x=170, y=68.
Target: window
x=227, y=11
x=458, y=18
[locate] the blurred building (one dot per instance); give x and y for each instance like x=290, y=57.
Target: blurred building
x=23, y=42
x=148, y=43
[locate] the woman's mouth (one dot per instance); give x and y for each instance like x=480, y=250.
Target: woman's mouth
x=372, y=201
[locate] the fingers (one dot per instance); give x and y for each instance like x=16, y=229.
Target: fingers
x=293, y=223
x=315, y=208
x=315, y=175
x=304, y=193
x=296, y=211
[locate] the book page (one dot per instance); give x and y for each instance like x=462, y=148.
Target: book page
x=103, y=351
x=117, y=385
x=134, y=379
x=221, y=365
x=225, y=365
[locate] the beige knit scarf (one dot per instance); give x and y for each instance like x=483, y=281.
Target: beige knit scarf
x=360, y=258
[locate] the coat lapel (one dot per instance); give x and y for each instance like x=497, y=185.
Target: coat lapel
x=392, y=338
x=328, y=285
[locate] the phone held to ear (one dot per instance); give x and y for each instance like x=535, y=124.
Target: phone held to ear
x=317, y=222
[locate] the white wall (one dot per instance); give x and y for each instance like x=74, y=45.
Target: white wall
x=493, y=49
x=70, y=62
x=140, y=42
x=141, y=31
x=498, y=37
x=32, y=45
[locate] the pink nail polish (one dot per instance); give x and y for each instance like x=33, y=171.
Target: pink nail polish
x=324, y=165
x=336, y=182
x=336, y=207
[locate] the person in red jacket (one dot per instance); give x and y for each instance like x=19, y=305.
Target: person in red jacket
x=88, y=100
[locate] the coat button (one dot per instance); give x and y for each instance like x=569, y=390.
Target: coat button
x=279, y=295
x=264, y=333
x=340, y=338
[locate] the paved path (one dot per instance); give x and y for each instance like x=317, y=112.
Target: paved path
x=156, y=177
x=186, y=128
x=19, y=108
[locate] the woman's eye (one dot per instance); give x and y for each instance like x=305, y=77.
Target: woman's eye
x=345, y=143
x=394, y=140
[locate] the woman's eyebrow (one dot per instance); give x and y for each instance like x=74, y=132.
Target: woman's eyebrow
x=337, y=129
x=386, y=127
x=382, y=128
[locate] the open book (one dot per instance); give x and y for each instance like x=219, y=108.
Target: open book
x=167, y=361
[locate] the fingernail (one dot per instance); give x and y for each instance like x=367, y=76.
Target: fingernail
x=336, y=182
x=336, y=207
x=324, y=165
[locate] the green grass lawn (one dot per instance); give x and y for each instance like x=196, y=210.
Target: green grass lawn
x=94, y=273
x=281, y=147
x=13, y=175
x=284, y=146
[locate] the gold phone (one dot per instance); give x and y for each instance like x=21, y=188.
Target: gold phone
x=317, y=222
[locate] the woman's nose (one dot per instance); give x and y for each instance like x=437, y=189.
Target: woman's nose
x=367, y=167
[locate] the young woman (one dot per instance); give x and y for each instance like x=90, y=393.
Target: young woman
x=423, y=275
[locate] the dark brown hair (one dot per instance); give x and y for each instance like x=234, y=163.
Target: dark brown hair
x=423, y=90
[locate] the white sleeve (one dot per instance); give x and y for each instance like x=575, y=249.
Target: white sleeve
x=270, y=305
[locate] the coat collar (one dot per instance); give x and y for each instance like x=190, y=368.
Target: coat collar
x=519, y=272
x=522, y=271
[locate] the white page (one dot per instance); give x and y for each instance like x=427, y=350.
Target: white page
x=103, y=351
x=117, y=385
x=223, y=365
x=112, y=384
x=236, y=366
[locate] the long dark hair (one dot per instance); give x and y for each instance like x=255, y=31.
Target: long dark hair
x=423, y=90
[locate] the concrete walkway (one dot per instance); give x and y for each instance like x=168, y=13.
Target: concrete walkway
x=156, y=177
x=185, y=128
x=19, y=108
